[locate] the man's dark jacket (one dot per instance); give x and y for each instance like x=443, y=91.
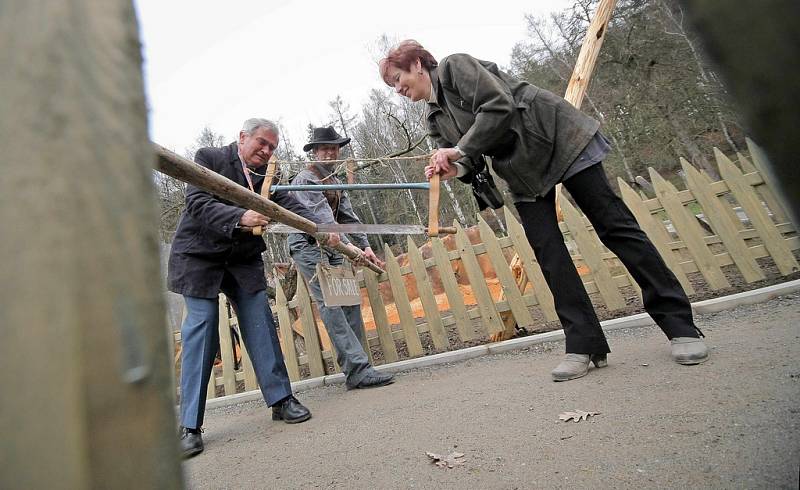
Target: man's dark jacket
x=207, y=243
x=533, y=135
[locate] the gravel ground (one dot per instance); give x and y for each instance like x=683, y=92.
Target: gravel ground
x=729, y=423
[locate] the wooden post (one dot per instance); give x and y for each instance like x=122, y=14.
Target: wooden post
x=84, y=351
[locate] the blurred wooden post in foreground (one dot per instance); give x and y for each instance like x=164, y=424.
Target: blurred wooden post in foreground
x=87, y=399
x=576, y=89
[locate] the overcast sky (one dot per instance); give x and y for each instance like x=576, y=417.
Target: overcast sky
x=218, y=63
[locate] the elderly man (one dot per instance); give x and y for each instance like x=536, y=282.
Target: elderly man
x=344, y=323
x=212, y=253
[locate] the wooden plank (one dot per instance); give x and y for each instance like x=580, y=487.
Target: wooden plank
x=226, y=347
x=744, y=194
x=211, y=390
x=772, y=193
x=588, y=245
x=689, y=230
x=432, y=315
x=466, y=330
x=726, y=205
x=403, y=305
x=656, y=232
x=310, y=334
x=722, y=224
x=248, y=373
x=379, y=315
x=287, y=333
x=531, y=267
x=489, y=314
x=512, y=293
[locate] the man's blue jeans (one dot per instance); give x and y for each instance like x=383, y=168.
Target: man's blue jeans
x=200, y=338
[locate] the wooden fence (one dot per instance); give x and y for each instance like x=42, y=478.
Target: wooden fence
x=739, y=221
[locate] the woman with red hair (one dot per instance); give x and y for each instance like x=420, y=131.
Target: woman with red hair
x=535, y=140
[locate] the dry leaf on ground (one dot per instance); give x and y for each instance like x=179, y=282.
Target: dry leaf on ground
x=577, y=415
x=449, y=461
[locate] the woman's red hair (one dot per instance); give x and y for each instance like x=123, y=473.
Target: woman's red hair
x=405, y=54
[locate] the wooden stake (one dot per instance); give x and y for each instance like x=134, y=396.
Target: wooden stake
x=272, y=169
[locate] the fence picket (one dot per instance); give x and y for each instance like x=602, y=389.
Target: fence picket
x=388, y=346
x=287, y=333
x=403, y=305
x=489, y=315
x=747, y=198
x=313, y=350
x=250, y=381
x=588, y=244
x=656, y=232
x=226, y=347
x=721, y=223
x=465, y=327
x=760, y=162
x=531, y=267
x=512, y=293
x=432, y=315
x=689, y=231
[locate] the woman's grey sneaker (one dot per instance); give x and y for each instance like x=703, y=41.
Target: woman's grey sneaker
x=577, y=365
x=191, y=442
x=689, y=350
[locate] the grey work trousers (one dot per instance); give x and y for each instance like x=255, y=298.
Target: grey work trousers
x=344, y=323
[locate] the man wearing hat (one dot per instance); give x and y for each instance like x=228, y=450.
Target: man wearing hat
x=344, y=323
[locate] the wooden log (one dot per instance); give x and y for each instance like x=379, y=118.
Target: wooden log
x=187, y=171
x=87, y=401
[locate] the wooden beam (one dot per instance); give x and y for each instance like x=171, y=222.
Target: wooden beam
x=88, y=402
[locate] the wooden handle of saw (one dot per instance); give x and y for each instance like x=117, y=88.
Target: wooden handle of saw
x=433, y=206
x=272, y=167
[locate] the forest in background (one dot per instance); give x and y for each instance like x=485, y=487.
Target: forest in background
x=652, y=90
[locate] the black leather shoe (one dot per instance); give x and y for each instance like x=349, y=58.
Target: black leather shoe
x=373, y=380
x=290, y=411
x=191, y=442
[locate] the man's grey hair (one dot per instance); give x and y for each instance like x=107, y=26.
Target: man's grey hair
x=252, y=124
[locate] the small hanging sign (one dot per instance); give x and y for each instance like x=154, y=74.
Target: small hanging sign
x=339, y=285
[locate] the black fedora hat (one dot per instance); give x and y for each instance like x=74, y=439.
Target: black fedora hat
x=325, y=136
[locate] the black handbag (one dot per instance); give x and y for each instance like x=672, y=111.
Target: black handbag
x=485, y=191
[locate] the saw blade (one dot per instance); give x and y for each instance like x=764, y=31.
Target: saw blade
x=369, y=229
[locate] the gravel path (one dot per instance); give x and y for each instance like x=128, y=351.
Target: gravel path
x=729, y=423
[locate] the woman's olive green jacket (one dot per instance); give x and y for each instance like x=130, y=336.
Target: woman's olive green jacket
x=532, y=135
